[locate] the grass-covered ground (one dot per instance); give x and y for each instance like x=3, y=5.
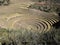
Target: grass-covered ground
x=27, y=37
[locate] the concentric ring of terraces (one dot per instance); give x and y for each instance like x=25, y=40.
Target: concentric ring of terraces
x=29, y=19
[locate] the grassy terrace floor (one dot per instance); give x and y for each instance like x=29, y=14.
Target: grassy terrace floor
x=28, y=37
